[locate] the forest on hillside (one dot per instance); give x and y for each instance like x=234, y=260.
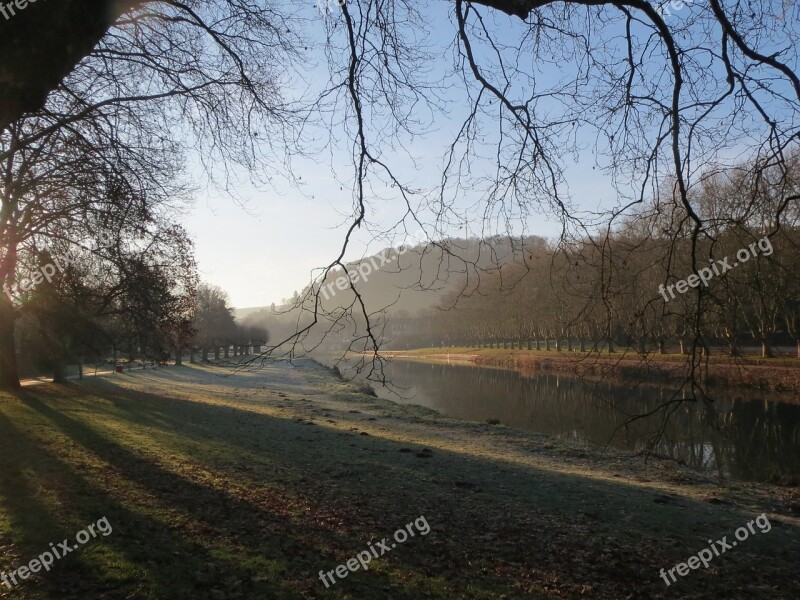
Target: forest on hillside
x=633, y=287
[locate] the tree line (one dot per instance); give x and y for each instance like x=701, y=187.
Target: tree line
x=96, y=171
x=635, y=286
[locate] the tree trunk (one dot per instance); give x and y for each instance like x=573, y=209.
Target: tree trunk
x=216, y=352
x=226, y=351
x=661, y=347
x=538, y=343
x=547, y=343
x=569, y=344
x=9, y=376
x=529, y=344
x=192, y=357
x=583, y=344
x=179, y=357
x=59, y=371
x=766, y=349
x=205, y=354
x=80, y=367
x=683, y=346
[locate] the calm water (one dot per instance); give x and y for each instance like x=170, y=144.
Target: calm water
x=748, y=437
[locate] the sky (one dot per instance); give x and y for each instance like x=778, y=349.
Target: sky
x=264, y=249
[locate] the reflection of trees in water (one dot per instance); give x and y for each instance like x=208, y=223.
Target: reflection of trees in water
x=746, y=439
x=766, y=438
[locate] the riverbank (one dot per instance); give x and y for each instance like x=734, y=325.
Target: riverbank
x=246, y=486
x=773, y=374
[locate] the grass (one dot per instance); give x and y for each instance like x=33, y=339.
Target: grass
x=247, y=486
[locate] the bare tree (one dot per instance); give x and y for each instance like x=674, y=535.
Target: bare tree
x=97, y=154
x=658, y=98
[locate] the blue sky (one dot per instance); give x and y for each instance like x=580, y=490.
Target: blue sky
x=263, y=251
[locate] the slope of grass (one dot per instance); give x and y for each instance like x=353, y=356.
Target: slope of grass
x=247, y=486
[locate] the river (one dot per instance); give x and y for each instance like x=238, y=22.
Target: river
x=746, y=436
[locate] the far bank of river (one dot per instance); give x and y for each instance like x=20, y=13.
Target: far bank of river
x=779, y=375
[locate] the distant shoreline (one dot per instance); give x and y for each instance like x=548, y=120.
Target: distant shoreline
x=771, y=374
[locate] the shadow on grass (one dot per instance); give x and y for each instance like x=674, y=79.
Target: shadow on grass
x=145, y=554
x=201, y=537
x=497, y=527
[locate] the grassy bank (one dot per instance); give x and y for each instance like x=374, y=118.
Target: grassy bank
x=247, y=486
x=781, y=374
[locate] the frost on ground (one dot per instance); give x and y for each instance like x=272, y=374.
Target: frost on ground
x=247, y=484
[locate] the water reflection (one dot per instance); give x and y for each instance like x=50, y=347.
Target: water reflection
x=745, y=438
